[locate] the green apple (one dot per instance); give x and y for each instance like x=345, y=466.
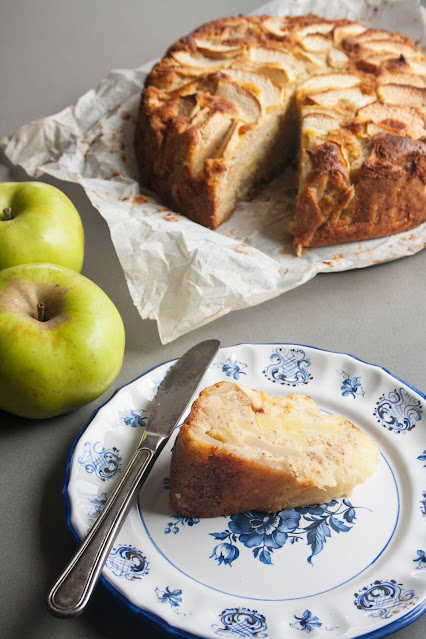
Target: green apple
x=61, y=340
x=38, y=223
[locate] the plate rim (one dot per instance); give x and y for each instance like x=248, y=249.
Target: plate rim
x=153, y=618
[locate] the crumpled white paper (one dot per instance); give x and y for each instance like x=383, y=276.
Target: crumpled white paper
x=179, y=273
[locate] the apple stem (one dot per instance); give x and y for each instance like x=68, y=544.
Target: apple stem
x=7, y=212
x=40, y=311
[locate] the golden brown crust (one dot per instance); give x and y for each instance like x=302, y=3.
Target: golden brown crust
x=217, y=116
x=388, y=195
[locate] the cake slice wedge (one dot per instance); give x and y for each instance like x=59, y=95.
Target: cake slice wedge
x=241, y=450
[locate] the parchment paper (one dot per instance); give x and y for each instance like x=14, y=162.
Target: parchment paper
x=179, y=273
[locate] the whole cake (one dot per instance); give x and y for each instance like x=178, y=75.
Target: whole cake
x=232, y=103
x=242, y=450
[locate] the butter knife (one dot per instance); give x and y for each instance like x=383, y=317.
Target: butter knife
x=72, y=590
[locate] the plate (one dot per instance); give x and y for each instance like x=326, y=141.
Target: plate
x=355, y=567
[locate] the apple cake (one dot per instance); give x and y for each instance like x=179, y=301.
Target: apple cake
x=241, y=450
x=232, y=103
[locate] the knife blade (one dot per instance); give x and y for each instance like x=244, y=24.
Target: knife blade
x=72, y=590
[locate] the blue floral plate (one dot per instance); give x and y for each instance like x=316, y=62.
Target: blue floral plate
x=354, y=567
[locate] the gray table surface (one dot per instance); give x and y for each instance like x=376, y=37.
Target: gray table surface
x=51, y=52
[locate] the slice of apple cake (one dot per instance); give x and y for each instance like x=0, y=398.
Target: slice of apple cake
x=242, y=449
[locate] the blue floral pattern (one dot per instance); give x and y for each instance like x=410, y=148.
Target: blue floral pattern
x=421, y=559
x=423, y=458
x=288, y=367
x=105, y=463
x=384, y=598
x=306, y=622
x=241, y=622
x=127, y=562
x=134, y=418
x=98, y=504
x=173, y=525
x=351, y=386
x=225, y=553
x=232, y=367
x=171, y=597
x=266, y=532
x=399, y=411
x=423, y=504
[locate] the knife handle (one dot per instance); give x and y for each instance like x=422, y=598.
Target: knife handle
x=72, y=590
